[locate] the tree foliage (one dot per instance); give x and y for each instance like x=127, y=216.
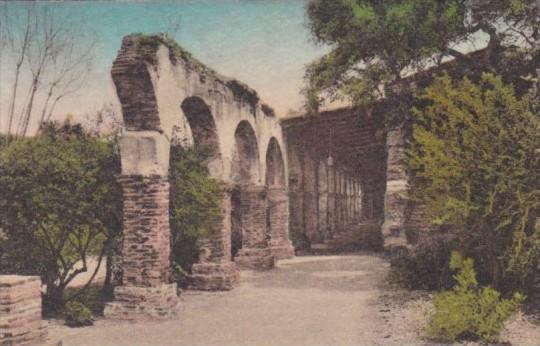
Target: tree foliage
x=194, y=203
x=374, y=44
x=474, y=163
x=59, y=205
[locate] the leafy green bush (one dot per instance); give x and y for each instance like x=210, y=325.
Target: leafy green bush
x=194, y=204
x=470, y=311
x=77, y=315
x=474, y=164
x=60, y=204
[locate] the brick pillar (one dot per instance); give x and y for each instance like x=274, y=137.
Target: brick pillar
x=146, y=290
x=255, y=252
x=215, y=270
x=20, y=311
x=278, y=210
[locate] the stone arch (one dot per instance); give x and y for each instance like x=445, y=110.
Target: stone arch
x=277, y=214
x=245, y=160
x=275, y=165
x=322, y=180
x=249, y=239
x=204, y=132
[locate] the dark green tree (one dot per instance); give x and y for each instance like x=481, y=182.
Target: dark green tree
x=375, y=44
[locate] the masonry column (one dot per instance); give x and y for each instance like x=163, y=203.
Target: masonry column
x=215, y=270
x=255, y=252
x=331, y=208
x=396, y=188
x=146, y=290
x=278, y=209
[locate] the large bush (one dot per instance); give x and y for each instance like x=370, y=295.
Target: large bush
x=470, y=311
x=194, y=203
x=60, y=205
x=475, y=165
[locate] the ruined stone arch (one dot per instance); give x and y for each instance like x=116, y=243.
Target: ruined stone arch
x=277, y=221
x=275, y=165
x=245, y=159
x=204, y=132
x=250, y=241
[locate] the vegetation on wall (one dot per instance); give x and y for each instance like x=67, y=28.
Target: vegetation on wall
x=194, y=203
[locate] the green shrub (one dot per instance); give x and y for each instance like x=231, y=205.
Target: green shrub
x=470, y=311
x=78, y=315
x=475, y=166
x=60, y=204
x=194, y=204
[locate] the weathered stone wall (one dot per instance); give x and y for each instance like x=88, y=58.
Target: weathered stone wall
x=168, y=96
x=20, y=311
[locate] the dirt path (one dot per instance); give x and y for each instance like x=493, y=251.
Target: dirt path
x=326, y=300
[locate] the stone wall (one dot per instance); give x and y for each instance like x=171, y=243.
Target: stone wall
x=20, y=311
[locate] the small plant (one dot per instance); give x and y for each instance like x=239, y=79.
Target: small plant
x=470, y=311
x=78, y=315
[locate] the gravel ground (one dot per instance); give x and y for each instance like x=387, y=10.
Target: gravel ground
x=318, y=300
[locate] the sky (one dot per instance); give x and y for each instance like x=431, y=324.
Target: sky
x=264, y=43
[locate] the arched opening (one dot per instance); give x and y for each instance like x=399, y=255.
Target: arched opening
x=277, y=212
x=275, y=167
x=190, y=215
x=244, y=172
x=204, y=132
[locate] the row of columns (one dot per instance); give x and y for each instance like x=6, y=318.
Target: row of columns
x=146, y=287
x=323, y=204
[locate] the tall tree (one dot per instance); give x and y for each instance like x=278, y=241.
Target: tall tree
x=375, y=44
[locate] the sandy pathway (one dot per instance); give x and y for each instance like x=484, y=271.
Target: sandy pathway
x=304, y=301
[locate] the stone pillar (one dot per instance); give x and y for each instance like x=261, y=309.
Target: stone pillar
x=331, y=208
x=396, y=196
x=323, y=210
x=146, y=290
x=296, y=213
x=337, y=203
x=310, y=199
x=215, y=270
x=255, y=252
x=20, y=311
x=278, y=210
